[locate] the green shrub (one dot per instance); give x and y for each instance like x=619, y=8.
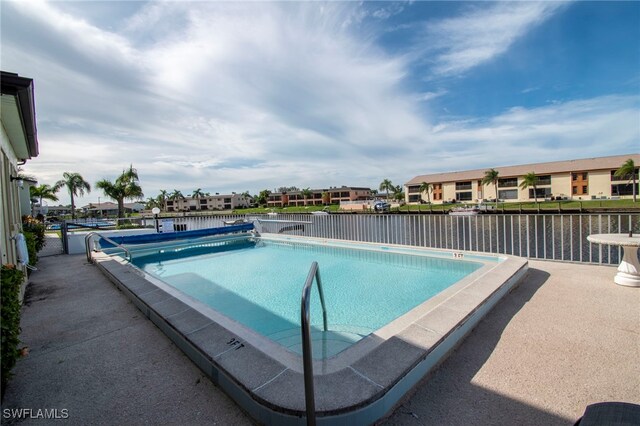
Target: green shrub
x=11, y=281
x=37, y=229
x=31, y=239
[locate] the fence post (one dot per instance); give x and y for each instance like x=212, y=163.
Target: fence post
x=63, y=236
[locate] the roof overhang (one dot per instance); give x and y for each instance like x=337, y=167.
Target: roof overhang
x=18, y=114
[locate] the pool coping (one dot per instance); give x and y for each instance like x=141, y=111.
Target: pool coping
x=362, y=387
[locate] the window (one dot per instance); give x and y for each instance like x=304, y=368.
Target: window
x=414, y=198
x=464, y=196
x=508, y=194
x=344, y=195
x=585, y=176
x=507, y=183
x=574, y=190
x=544, y=180
x=463, y=185
x=169, y=203
x=584, y=189
x=227, y=200
x=203, y=202
x=413, y=188
x=623, y=189
x=622, y=178
x=540, y=193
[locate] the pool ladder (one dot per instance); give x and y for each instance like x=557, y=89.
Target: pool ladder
x=305, y=324
x=87, y=246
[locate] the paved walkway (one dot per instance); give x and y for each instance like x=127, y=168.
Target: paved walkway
x=565, y=338
x=94, y=354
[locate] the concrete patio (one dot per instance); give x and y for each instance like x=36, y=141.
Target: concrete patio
x=565, y=338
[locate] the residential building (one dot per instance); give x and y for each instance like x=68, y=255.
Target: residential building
x=108, y=208
x=52, y=211
x=209, y=202
x=583, y=179
x=318, y=197
x=19, y=143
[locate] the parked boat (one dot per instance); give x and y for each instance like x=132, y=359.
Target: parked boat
x=464, y=211
x=470, y=210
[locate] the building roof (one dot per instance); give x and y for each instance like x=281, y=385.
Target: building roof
x=17, y=94
x=330, y=189
x=108, y=205
x=585, y=164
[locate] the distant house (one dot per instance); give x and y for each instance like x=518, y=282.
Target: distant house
x=209, y=202
x=51, y=211
x=19, y=144
x=110, y=209
x=331, y=195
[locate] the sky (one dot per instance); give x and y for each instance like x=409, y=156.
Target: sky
x=246, y=96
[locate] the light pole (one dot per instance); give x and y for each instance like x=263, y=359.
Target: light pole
x=155, y=212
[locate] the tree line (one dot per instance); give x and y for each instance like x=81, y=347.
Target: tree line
x=127, y=187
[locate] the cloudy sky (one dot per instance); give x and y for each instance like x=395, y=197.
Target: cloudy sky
x=257, y=95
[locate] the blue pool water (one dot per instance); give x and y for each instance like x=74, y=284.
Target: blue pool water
x=259, y=282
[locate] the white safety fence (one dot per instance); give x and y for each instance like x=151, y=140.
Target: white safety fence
x=560, y=237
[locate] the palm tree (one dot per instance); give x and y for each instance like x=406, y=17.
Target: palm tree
x=306, y=193
x=126, y=186
x=530, y=179
x=628, y=171
x=151, y=203
x=398, y=193
x=386, y=186
x=491, y=177
x=76, y=185
x=162, y=198
x=197, y=193
x=426, y=187
x=176, y=195
x=44, y=191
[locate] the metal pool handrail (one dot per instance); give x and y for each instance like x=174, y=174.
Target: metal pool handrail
x=314, y=272
x=87, y=246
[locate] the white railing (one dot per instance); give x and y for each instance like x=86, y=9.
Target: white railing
x=560, y=237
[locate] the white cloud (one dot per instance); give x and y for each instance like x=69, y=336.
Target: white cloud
x=601, y=126
x=287, y=88
x=247, y=96
x=428, y=96
x=481, y=34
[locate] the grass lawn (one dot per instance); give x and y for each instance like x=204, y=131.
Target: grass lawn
x=301, y=209
x=543, y=205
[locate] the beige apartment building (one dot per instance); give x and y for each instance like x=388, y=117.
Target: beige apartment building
x=584, y=179
x=331, y=195
x=211, y=202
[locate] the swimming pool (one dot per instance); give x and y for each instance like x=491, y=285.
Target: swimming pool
x=361, y=369
x=257, y=282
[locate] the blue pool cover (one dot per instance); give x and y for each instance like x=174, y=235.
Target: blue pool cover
x=171, y=236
